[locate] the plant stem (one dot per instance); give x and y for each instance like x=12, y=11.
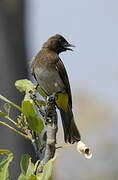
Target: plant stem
x=8, y=101
x=66, y=146
x=7, y=117
x=13, y=129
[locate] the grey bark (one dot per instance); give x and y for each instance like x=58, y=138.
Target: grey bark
x=51, y=127
x=50, y=118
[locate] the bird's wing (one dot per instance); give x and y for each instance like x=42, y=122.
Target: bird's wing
x=63, y=74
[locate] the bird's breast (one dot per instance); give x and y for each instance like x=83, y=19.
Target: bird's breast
x=49, y=80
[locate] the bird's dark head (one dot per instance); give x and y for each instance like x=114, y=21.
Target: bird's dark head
x=57, y=44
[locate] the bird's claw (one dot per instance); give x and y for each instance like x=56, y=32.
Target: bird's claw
x=32, y=94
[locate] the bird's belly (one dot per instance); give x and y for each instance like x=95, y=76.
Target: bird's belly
x=49, y=81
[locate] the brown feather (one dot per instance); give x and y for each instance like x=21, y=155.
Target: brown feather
x=48, y=70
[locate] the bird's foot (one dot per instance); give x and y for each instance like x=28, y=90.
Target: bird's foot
x=32, y=94
x=54, y=96
x=51, y=98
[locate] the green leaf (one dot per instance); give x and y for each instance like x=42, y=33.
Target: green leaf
x=2, y=114
x=45, y=136
x=7, y=108
x=28, y=109
x=30, y=169
x=24, y=85
x=24, y=163
x=41, y=102
x=27, y=167
x=47, y=171
x=36, y=124
x=41, y=92
x=4, y=151
x=36, y=165
x=39, y=176
x=8, y=101
x=22, y=177
x=32, y=177
x=4, y=174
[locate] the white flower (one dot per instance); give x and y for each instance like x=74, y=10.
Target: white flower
x=81, y=147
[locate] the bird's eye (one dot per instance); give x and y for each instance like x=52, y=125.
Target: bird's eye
x=59, y=40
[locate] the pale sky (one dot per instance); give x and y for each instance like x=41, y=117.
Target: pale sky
x=92, y=26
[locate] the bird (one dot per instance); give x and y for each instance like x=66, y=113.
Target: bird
x=51, y=75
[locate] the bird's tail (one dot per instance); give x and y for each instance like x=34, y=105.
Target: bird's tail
x=71, y=133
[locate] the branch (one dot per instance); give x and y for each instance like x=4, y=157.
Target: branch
x=51, y=126
x=50, y=117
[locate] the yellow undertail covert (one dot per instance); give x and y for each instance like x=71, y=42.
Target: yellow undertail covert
x=62, y=101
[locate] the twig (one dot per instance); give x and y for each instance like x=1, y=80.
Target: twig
x=13, y=129
x=66, y=146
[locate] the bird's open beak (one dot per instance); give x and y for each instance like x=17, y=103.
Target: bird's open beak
x=67, y=46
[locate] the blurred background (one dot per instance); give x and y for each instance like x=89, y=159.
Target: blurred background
x=92, y=26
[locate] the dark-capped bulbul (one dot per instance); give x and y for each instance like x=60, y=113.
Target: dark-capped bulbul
x=50, y=73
